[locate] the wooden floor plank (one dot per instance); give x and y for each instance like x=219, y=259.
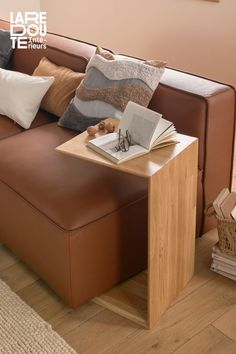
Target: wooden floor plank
x=100, y=333
x=18, y=276
x=208, y=303
x=128, y=299
x=183, y=320
x=68, y=319
x=53, y=310
x=209, y=340
x=7, y=258
x=227, y=323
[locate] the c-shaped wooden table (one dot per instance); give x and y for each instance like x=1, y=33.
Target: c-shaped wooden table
x=171, y=175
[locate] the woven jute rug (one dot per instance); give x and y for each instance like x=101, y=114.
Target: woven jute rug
x=22, y=330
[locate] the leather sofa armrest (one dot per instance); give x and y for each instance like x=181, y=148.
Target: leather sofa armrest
x=205, y=109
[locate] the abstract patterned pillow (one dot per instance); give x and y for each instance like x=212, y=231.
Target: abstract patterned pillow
x=111, y=81
x=5, y=48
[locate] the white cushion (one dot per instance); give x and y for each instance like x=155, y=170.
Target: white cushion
x=21, y=94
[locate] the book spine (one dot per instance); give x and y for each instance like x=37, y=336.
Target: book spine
x=218, y=210
x=223, y=259
x=224, y=268
x=217, y=251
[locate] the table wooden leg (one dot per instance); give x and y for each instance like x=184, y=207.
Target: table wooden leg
x=171, y=239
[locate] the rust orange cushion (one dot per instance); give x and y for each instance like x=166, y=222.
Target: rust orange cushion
x=62, y=90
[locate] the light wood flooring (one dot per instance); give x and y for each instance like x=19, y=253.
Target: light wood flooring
x=201, y=320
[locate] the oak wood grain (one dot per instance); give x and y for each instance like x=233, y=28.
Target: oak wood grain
x=172, y=219
x=227, y=323
x=209, y=340
x=129, y=299
x=144, y=166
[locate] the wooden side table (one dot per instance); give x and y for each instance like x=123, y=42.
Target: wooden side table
x=171, y=174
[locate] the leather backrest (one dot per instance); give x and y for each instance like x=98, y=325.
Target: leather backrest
x=60, y=50
x=184, y=99
x=4, y=25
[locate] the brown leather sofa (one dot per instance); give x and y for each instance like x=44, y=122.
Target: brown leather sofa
x=81, y=227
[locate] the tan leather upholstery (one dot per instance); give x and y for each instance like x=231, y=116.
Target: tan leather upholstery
x=4, y=25
x=60, y=50
x=63, y=52
x=78, y=264
x=8, y=127
x=70, y=192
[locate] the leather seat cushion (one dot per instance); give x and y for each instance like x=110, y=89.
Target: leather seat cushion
x=9, y=128
x=70, y=192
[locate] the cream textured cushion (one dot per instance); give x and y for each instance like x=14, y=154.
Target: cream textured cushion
x=21, y=94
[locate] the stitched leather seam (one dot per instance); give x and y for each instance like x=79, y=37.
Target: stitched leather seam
x=73, y=232
x=39, y=212
x=69, y=54
x=35, y=210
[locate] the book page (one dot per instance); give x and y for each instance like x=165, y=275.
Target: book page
x=106, y=145
x=164, y=129
x=141, y=124
x=141, y=130
x=134, y=151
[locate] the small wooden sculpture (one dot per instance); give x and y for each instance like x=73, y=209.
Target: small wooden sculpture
x=102, y=126
x=92, y=130
x=110, y=127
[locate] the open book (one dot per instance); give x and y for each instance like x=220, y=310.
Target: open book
x=146, y=130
